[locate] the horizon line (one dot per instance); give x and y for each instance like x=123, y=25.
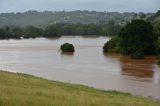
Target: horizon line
x=15, y=12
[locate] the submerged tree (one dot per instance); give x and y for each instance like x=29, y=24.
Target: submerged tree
x=137, y=36
x=67, y=47
x=112, y=45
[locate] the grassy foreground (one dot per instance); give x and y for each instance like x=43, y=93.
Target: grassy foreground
x=26, y=90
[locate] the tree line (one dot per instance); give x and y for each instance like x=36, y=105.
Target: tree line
x=59, y=29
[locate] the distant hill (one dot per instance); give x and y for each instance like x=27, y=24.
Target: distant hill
x=42, y=19
x=155, y=18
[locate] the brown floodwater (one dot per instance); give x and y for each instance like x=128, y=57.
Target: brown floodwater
x=87, y=66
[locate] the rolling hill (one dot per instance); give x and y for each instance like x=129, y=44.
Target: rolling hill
x=45, y=18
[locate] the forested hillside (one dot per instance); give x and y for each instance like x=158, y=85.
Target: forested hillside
x=43, y=19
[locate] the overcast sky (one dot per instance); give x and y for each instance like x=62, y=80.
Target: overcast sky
x=69, y=5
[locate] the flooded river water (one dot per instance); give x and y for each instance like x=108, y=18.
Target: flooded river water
x=87, y=66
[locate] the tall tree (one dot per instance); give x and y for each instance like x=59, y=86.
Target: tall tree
x=138, y=36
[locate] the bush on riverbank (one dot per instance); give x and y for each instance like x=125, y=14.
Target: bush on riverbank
x=67, y=47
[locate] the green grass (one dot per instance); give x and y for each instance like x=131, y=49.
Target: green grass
x=26, y=90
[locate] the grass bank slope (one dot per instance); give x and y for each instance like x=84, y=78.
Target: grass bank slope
x=26, y=90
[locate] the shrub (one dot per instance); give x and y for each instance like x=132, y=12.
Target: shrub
x=111, y=45
x=137, y=55
x=67, y=47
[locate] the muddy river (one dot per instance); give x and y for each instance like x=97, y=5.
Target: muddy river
x=87, y=66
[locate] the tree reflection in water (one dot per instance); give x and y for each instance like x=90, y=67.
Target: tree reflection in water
x=145, y=68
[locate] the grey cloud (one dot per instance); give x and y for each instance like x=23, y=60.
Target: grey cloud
x=99, y=5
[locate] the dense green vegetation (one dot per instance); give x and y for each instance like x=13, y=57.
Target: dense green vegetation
x=34, y=24
x=27, y=90
x=59, y=29
x=43, y=19
x=136, y=39
x=137, y=36
x=7, y=33
x=32, y=32
x=155, y=20
x=112, y=45
x=158, y=49
x=67, y=47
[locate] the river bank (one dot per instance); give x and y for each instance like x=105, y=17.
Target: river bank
x=26, y=90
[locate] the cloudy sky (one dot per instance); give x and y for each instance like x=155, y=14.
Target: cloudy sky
x=69, y=5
